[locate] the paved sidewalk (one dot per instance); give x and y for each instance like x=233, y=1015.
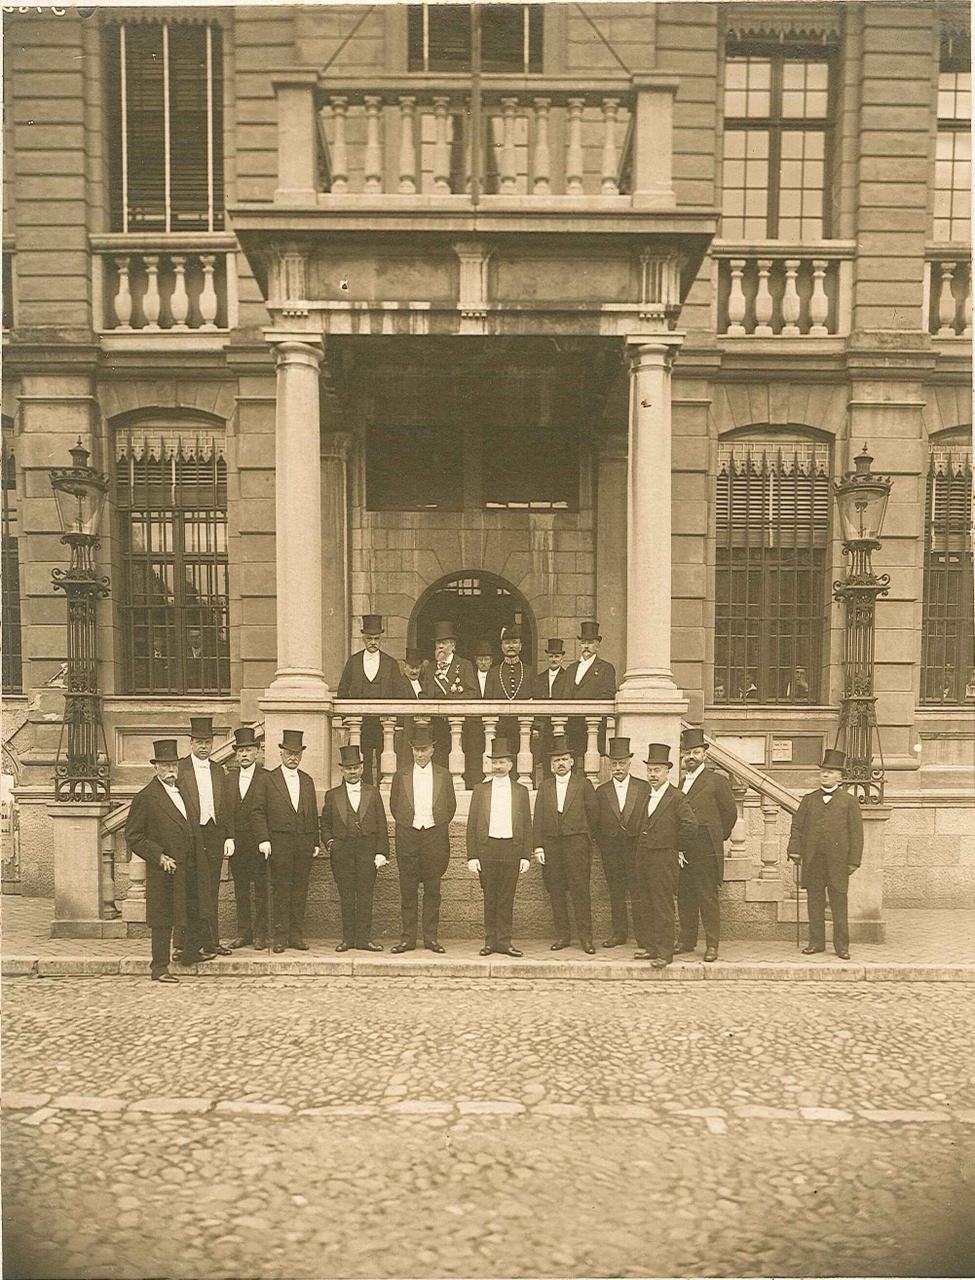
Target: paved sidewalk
x=921, y=946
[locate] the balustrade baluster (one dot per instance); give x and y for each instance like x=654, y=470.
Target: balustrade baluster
x=387, y=761
x=542, y=165
x=509, y=164
x=208, y=294
x=525, y=762
x=490, y=732
x=137, y=890
x=123, y=297
x=591, y=762
x=407, y=146
x=790, y=299
x=739, y=832
x=373, y=155
x=763, y=300
x=736, y=298
x=611, y=107
x=441, y=147
x=179, y=303
x=770, y=842
x=573, y=156
x=151, y=301
x=455, y=761
x=559, y=724
x=353, y=725
x=340, y=151
x=966, y=304
x=109, y=911
x=819, y=303
x=947, y=306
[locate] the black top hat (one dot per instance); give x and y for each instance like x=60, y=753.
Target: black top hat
x=201, y=726
x=350, y=755
x=444, y=631
x=164, y=752
x=291, y=740
x=372, y=624
x=554, y=646
x=414, y=657
x=512, y=632
x=657, y=753
x=560, y=746
x=245, y=737
x=501, y=748
x=833, y=760
x=619, y=749
x=691, y=738
x=589, y=631
x=484, y=649
x=422, y=736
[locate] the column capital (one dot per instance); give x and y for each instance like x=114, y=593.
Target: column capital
x=297, y=349
x=643, y=351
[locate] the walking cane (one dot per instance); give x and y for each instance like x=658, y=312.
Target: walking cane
x=796, y=865
x=269, y=904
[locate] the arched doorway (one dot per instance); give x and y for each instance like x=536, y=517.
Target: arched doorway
x=479, y=605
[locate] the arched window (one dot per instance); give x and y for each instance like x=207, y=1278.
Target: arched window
x=947, y=630
x=771, y=602
x=479, y=605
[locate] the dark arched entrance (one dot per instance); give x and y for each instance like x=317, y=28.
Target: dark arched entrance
x=479, y=605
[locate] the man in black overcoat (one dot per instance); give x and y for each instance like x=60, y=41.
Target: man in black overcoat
x=285, y=817
x=698, y=887
x=161, y=831
x=591, y=679
x=547, y=685
x=203, y=786
x=498, y=846
x=827, y=841
x=245, y=779
x=372, y=674
x=668, y=829
x=562, y=830
x=621, y=805
x=412, y=692
x=356, y=837
x=510, y=681
x=447, y=677
x=473, y=739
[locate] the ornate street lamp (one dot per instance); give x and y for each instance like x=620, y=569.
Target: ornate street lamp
x=861, y=498
x=82, y=769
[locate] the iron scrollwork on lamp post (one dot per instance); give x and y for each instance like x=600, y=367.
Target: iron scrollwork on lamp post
x=861, y=497
x=82, y=770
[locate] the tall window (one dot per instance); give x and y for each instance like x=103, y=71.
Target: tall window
x=175, y=593
x=776, y=144
x=440, y=37
x=165, y=89
x=947, y=630
x=953, y=154
x=773, y=508
x=10, y=575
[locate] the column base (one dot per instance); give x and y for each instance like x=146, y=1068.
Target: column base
x=304, y=705
x=77, y=866
x=866, y=891
x=89, y=929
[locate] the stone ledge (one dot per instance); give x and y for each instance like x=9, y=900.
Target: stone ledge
x=888, y=972
x=77, y=966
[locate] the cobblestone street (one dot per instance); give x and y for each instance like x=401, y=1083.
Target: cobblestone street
x=293, y=1127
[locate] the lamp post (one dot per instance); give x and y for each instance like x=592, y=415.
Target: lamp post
x=81, y=773
x=861, y=498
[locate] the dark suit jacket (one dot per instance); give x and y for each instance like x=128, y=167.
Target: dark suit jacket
x=671, y=826
x=539, y=688
x=340, y=822
x=274, y=815
x=610, y=823
x=243, y=810
x=598, y=682
x=832, y=831
x=479, y=820
x=494, y=689
x=222, y=801
x=389, y=682
x=155, y=827
x=401, y=796
x=460, y=681
x=579, y=817
x=713, y=802
x=487, y=684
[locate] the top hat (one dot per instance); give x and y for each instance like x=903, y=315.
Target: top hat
x=422, y=736
x=350, y=755
x=501, y=748
x=560, y=746
x=201, y=726
x=414, y=657
x=245, y=737
x=691, y=738
x=444, y=631
x=833, y=760
x=483, y=648
x=619, y=749
x=512, y=632
x=372, y=624
x=554, y=645
x=291, y=740
x=164, y=751
x=657, y=753
x=589, y=631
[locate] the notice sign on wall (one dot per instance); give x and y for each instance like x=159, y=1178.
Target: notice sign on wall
x=781, y=750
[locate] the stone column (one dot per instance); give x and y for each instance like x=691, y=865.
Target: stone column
x=336, y=451
x=611, y=546
x=78, y=902
x=866, y=892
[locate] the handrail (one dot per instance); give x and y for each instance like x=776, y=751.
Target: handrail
x=474, y=707
x=758, y=781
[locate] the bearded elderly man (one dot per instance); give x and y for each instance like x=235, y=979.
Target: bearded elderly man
x=447, y=677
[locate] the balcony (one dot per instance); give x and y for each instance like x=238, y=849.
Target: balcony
x=164, y=291
x=776, y=290
x=948, y=291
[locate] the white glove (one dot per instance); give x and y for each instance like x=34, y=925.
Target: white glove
x=316, y=852
x=228, y=848
x=265, y=848
x=523, y=865
x=474, y=865
x=540, y=855
x=380, y=861
x=681, y=860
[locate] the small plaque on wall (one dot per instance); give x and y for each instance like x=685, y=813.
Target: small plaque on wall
x=781, y=750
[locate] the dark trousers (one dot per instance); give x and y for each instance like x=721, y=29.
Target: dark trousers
x=816, y=890
x=193, y=937
x=618, y=857
x=568, y=864
x=354, y=869
x=247, y=869
x=290, y=872
x=422, y=858
x=214, y=838
x=499, y=880
x=161, y=940
x=371, y=746
x=698, y=891
x=657, y=869
x=473, y=740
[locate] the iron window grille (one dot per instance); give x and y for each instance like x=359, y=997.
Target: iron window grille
x=165, y=106
x=771, y=598
x=12, y=654
x=953, y=145
x=175, y=596
x=439, y=38
x=947, y=628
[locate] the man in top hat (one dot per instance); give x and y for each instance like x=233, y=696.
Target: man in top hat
x=562, y=829
x=245, y=778
x=510, y=681
x=355, y=835
x=474, y=726
x=547, y=685
x=448, y=676
x=621, y=806
x=412, y=689
x=827, y=841
x=161, y=831
x=422, y=802
x=204, y=788
x=668, y=828
x=371, y=674
x=498, y=846
x=591, y=678
x=710, y=796
x=285, y=819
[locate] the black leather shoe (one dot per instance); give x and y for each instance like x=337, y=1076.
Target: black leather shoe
x=177, y=954
x=165, y=976
x=588, y=948
x=209, y=955
x=435, y=947
x=711, y=955
x=813, y=951
x=344, y=946
x=510, y=951
x=260, y=944
x=221, y=950
x=299, y=945
x=278, y=948
x=658, y=963
x=560, y=944
x=842, y=955
x=486, y=951
x=398, y=948
x=370, y=946
x=235, y=944
x=614, y=942
x=683, y=951
x=644, y=955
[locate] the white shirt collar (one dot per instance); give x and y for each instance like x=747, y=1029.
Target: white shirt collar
x=198, y=763
x=584, y=665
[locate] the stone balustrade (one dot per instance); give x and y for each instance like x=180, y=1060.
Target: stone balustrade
x=166, y=283
x=948, y=292
x=775, y=290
